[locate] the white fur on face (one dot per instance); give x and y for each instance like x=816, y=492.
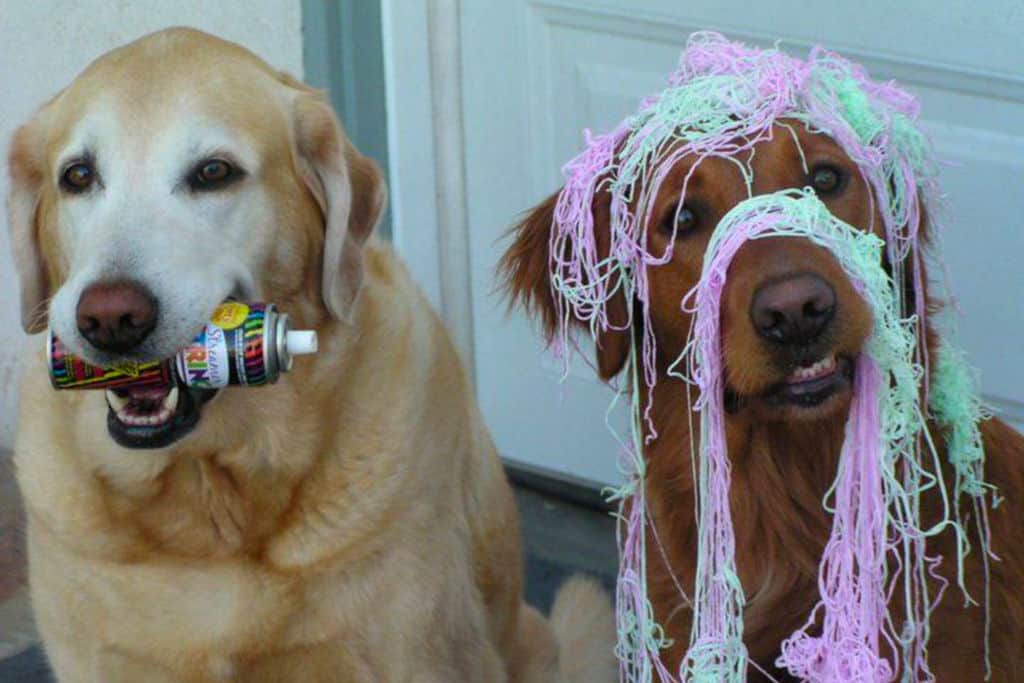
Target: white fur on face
x=141, y=221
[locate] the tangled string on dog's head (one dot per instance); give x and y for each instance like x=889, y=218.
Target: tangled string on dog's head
x=606, y=234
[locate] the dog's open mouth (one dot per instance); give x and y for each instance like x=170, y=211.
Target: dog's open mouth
x=154, y=417
x=811, y=385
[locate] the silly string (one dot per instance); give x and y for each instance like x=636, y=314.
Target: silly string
x=723, y=100
x=870, y=505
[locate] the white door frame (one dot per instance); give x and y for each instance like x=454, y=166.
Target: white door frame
x=425, y=139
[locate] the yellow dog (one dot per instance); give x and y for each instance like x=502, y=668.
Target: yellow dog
x=351, y=522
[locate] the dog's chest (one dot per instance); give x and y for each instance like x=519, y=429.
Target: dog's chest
x=202, y=508
x=212, y=620
x=193, y=572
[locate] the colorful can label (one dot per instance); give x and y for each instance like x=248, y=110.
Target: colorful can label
x=238, y=346
x=204, y=364
x=68, y=371
x=231, y=349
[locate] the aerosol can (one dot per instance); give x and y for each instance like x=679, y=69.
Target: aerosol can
x=243, y=344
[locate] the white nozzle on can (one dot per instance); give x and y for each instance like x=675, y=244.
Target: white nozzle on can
x=300, y=342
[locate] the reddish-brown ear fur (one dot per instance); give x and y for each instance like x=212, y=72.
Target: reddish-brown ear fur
x=526, y=276
x=613, y=345
x=524, y=268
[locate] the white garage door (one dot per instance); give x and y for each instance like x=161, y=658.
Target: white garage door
x=534, y=74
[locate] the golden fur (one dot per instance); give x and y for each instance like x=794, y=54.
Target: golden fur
x=350, y=523
x=783, y=459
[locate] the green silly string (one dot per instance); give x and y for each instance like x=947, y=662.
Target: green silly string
x=722, y=101
x=957, y=408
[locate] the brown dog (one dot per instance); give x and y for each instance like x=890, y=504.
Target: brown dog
x=351, y=522
x=791, y=326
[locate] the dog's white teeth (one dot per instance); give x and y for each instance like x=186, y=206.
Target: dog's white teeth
x=124, y=410
x=170, y=402
x=819, y=369
x=116, y=402
x=144, y=420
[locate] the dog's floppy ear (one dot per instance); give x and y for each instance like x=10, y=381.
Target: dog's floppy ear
x=27, y=170
x=526, y=271
x=350, y=191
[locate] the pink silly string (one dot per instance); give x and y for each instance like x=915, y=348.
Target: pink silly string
x=585, y=282
x=853, y=602
x=640, y=637
x=722, y=101
x=853, y=574
x=716, y=643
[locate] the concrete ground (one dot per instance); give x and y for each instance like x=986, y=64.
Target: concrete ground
x=560, y=539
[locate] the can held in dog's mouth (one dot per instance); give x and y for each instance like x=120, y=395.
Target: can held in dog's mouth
x=243, y=344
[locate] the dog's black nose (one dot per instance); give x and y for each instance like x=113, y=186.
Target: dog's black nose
x=116, y=316
x=793, y=310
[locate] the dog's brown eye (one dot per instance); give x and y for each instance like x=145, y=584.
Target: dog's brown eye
x=78, y=177
x=826, y=179
x=680, y=222
x=211, y=174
